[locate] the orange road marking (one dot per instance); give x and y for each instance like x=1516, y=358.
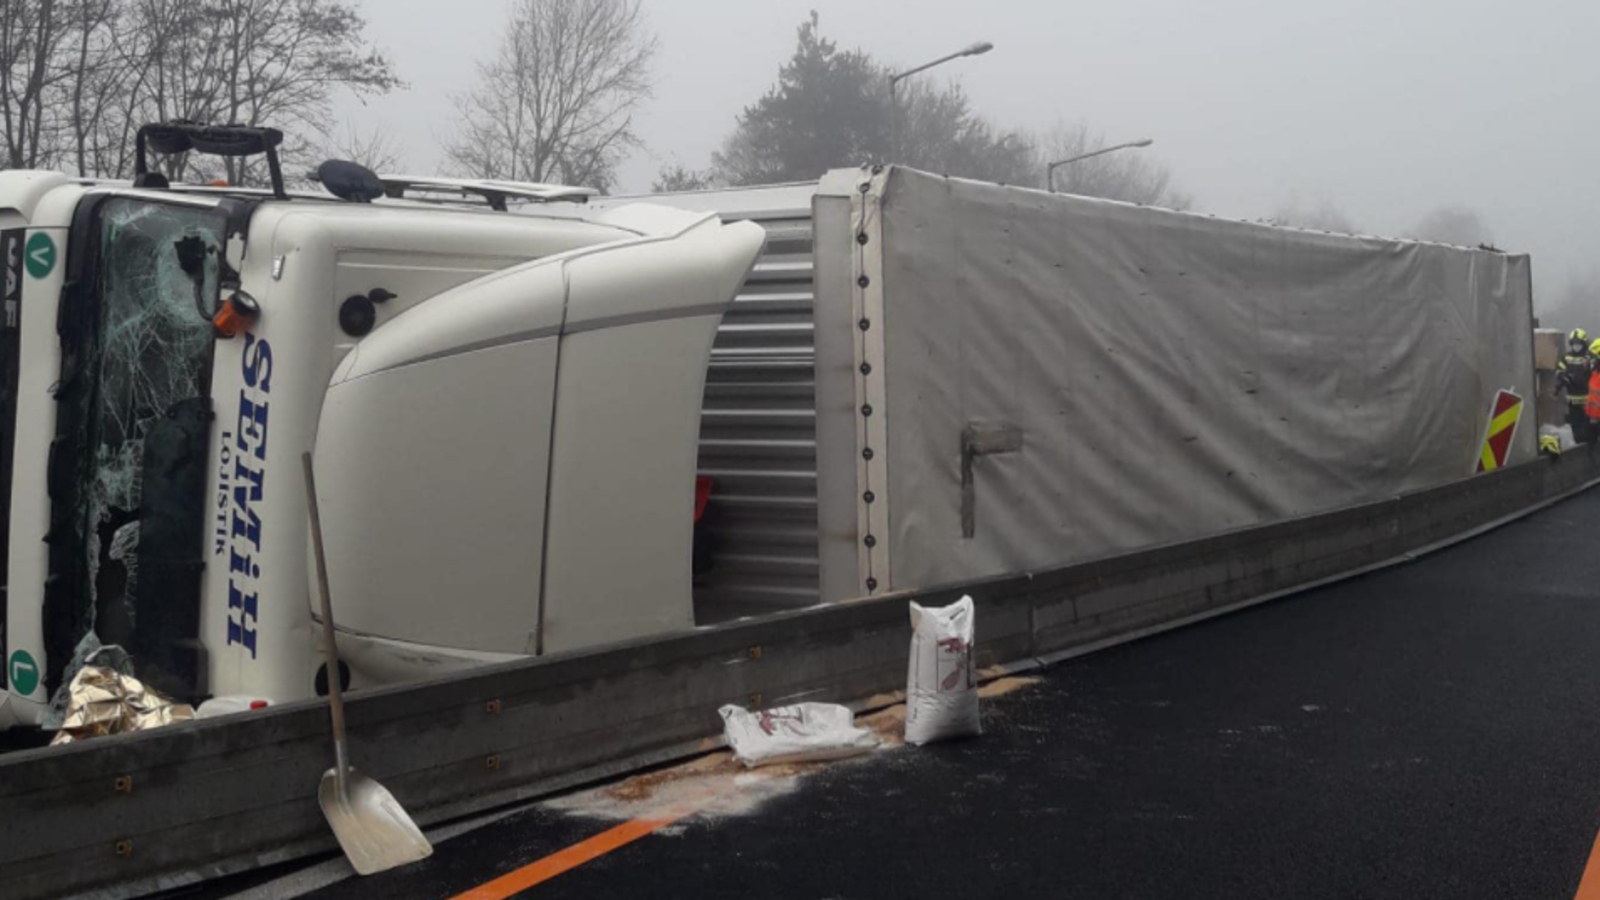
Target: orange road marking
x=1589, y=886
x=574, y=856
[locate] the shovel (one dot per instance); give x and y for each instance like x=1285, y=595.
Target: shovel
x=373, y=829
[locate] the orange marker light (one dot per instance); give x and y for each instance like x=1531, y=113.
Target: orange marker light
x=236, y=314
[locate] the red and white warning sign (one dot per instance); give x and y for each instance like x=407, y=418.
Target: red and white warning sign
x=1503, y=419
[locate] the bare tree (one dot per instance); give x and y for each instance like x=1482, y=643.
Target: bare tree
x=31, y=33
x=256, y=62
x=1457, y=225
x=1325, y=215
x=376, y=149
x=57, y=61
x=92, y=81
x=1578, y=305
x=677, y=177
x=78, y=77
x=1127, y=175
x=557, y=101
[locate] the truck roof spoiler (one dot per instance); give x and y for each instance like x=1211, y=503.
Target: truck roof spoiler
x=493, y=192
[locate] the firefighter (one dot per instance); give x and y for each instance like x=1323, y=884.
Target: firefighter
x=1574, y=373
x=1592, y=407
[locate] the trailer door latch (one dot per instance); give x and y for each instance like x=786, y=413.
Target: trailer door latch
x=976, y=441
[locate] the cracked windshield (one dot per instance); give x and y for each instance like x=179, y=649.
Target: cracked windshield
x=155, y=353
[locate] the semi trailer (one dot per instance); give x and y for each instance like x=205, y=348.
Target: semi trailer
x=883, y=380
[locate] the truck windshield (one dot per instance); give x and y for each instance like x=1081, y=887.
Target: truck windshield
x=143, y=421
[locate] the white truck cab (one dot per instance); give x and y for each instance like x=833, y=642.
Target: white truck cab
x=502, y=407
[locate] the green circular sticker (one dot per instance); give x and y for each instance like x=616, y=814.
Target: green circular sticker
x=40, y=255
x=24, y=673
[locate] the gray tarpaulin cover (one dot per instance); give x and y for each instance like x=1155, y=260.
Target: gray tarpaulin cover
x=1171, y=375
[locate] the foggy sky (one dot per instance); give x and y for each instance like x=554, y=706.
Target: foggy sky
x=1388, y=109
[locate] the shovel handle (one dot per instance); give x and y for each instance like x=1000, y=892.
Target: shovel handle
x=330, y=650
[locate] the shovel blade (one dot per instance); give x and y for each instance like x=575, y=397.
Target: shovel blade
x=373, y=829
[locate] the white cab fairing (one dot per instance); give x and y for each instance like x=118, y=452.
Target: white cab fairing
x=303, y=260
x=509, y=466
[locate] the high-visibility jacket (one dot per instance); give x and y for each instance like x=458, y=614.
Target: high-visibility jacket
x=1592, y=405
x=1575, y=371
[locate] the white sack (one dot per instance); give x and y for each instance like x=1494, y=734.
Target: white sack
x=804, y=732
x=941, y=689
x=1562, y=433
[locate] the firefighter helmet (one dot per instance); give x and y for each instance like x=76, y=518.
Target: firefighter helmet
x=1594, y=348
x=1578, y=336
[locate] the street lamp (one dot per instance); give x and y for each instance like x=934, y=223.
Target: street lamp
x=977, y=49
x=1050, y=170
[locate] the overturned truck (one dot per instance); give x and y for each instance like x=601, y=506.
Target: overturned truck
x=509, y=390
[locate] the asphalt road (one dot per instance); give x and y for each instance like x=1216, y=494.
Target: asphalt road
x=1431, y=730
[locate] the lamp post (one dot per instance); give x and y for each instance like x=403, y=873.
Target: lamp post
x=1050, y=170
x=977, y=49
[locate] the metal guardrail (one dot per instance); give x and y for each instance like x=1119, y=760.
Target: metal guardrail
x=129, y=815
